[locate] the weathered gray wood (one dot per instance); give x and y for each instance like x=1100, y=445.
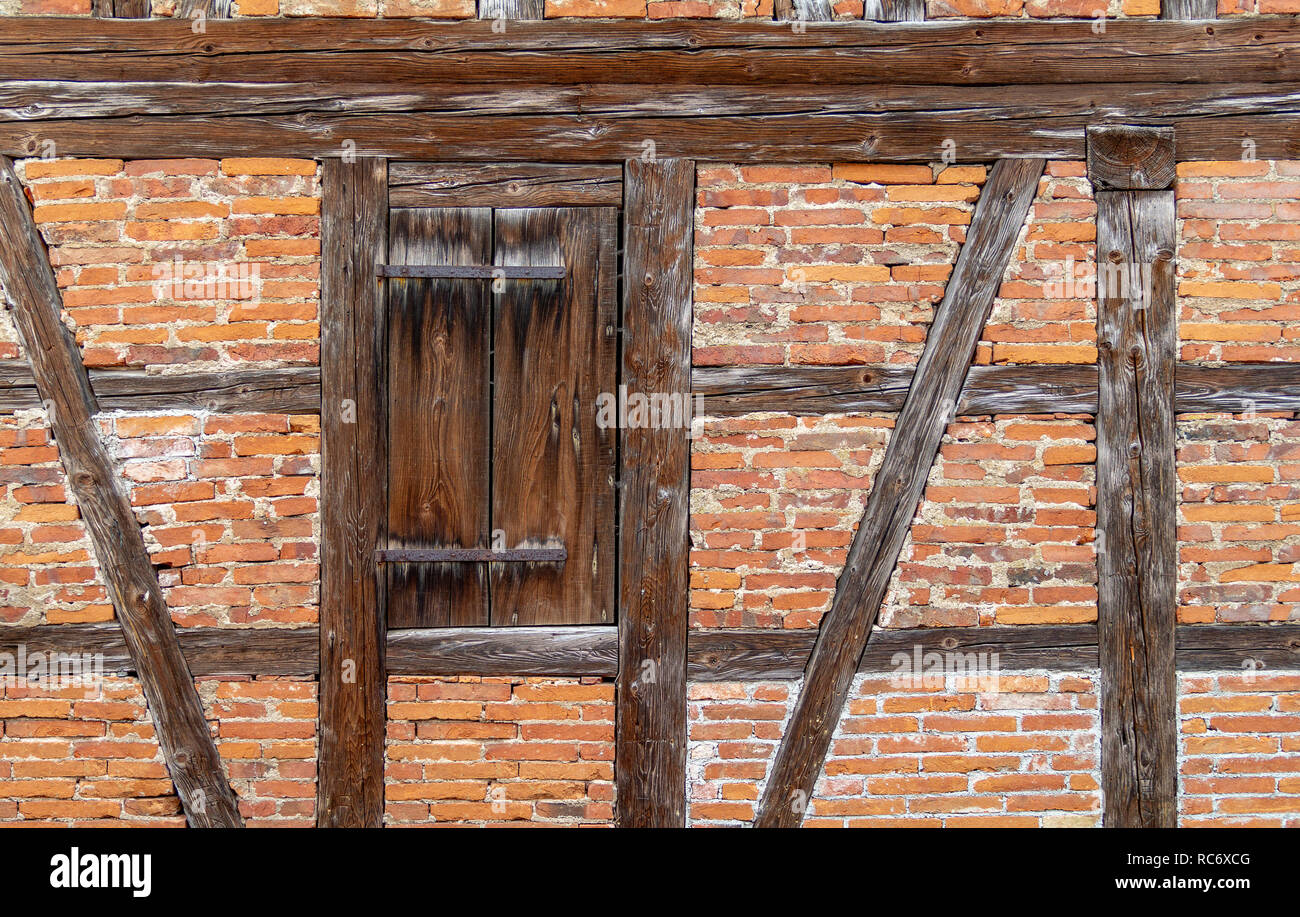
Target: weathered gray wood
x=650, y=731
x=726, y=390
x=803, y=10
x=132, y=9
x=894, y=10
x=713, y=655
x=1242, y=388
x=292, y=390
x=511, y=9
x=1137, y=497
x=1064, y=388
x=562, y=651
x=930, y=405
x=734, y=655
x=1189, y=9
x=208, y=650
x=952, y=53
x=1245, y=648
x=431, y=184
x=353, y=687
x=1130, y=157
x=874, y=136
x=182, y=729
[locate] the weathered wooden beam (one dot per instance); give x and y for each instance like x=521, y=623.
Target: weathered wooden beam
x=894, y=10
x=808, y=390
x=432, y=184
x=1123, y=156
x=132, y=9
x=1137, y=497
x=712, y=655
x=353, y=688
x=1246, y=648
x=567, y=651
x=726, y=390
x=803, y=11
x=1189, y=9
x=292, y=390
x=870, y=136
x=952, y=53
x=1020, y=389
x=182, y=729
x=897, y=488
x=654, y=537
x=738, y=655
x=208, y=650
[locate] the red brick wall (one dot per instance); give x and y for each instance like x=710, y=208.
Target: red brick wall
x=87, y=754
x=1239, y=750
x=475, y=751
x=910, y=753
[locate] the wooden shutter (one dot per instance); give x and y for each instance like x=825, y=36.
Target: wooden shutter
x=552, y=468
x=493, y=441
x=439, y=408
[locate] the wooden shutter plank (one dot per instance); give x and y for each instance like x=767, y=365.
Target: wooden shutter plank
x=930, y=404
x=554, y=352
x=654, y=536
x=439, y=404
x=1137, y=494
x=353, y=686
x=123, y=561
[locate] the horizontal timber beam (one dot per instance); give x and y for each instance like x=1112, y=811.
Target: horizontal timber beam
x=727, y=390
x=1023, y=389
x=982, y=52
x=560, y=651
x=292, y=390
x=581, y=91
x=208, y=650
x=713, y=655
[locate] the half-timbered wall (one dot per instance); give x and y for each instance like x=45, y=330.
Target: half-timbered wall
x=823, y=274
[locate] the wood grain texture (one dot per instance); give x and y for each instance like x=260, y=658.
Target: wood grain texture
x=894, y=10
x=935, y=53
x=650, y=731
x=737, y=655
x=511, y=9
x=1245, y=648
x=207, y=650
x=353, y=686
x=431, y=184
x=123, y=561
x=439, y=396
x=930, y=405
x=132, y=9
x=1189, y=9
x=1137, y=496
x=564, y=651
x=555, y=351
x=803, y=10
x=1131, y=157
x=292, y=390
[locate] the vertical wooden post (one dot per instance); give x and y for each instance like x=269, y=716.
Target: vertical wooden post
x=350, y=785
x=654, y=536
x=511, y=9
x=803, y=10
x=894, y=10
x=1189, y=9
x=1137, y=549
